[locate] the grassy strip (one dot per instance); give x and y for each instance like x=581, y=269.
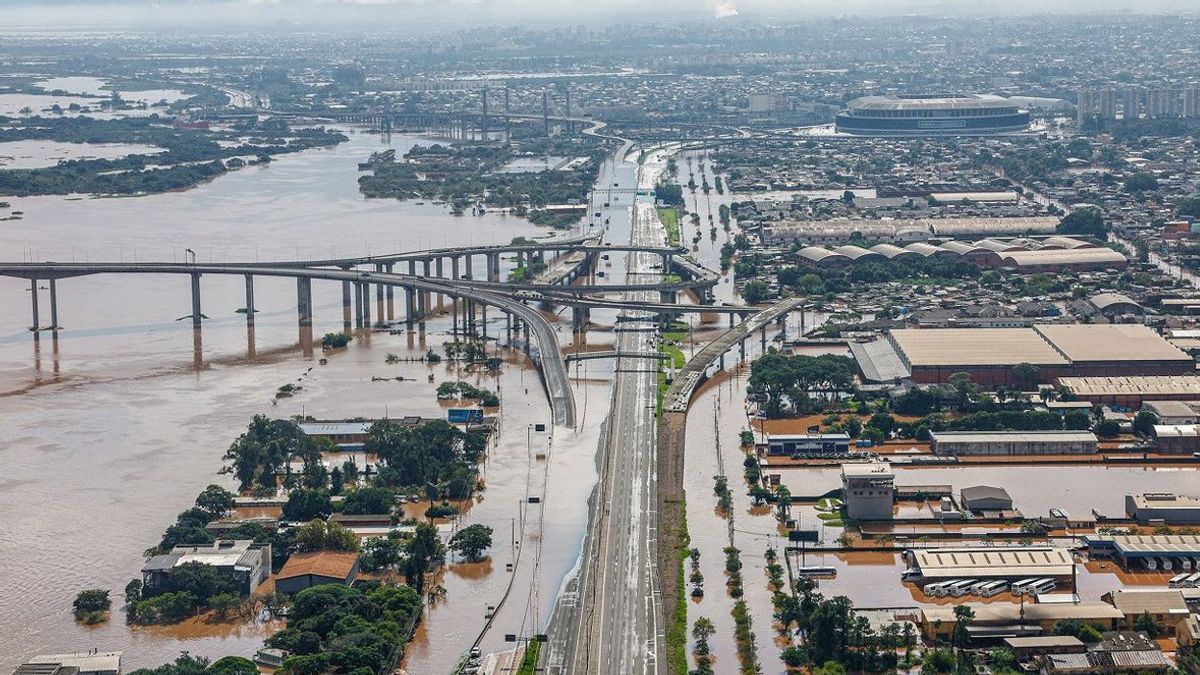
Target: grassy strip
x=677, y=630
x=670, y=220
x=678, y=360
x=529, y=662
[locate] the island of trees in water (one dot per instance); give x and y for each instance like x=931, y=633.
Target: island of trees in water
x=471, y=175
x=189, y=156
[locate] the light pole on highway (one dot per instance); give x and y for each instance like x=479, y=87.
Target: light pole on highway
x=192, y=253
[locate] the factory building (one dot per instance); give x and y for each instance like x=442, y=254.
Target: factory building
x=1013, y=442
x=1157, y=552
x=1004, y=619
x=991, y=356
x=994, y=562
x=1165, y=507
x=1177, y=439
x=1132, y=391
x=808, y=444
x=868, y=490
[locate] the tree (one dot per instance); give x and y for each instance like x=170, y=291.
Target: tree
x=381, y=552
x=424, y=547
x=337, y=481
x=201, y=580
x=304, y=505
x=471, y=541
x=1188, y=207
x=368, y=500
x=1147, y=625
x=266, y=448
x=1088, y=221
x=963, y=616
x=1077, y=420
x=233, y=665
x=1108, y=429
x=133, y=591
x=215, y=500
x=1026, y=374
x=754, y=292
x=1143, y=423
x=321, y=535
x=91, y=600
x=223, y=604
x=185, y=664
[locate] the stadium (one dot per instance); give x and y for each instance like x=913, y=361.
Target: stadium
x=931, y=115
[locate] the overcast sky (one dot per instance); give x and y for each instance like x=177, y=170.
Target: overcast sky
x=472, y=12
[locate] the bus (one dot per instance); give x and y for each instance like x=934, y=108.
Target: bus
x=1018, y=587
x=934, y=589
x=963, y=587
x=1179, y=581
x=1041, y=586
x=991, y=588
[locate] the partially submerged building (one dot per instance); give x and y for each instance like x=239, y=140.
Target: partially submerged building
x=245, y=562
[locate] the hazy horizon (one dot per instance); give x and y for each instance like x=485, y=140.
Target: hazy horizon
x=441, y=14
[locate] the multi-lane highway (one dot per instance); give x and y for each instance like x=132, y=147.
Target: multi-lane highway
x=609, y=619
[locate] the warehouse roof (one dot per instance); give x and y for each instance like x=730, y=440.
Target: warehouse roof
x=1165, y=500
x=333, y=564
x=1064, y=242
x=977, y=492
x=1148, y=544
x=1052, y=436
x=1172, y=385
x=1110, y=342
x=975, y=346
x=1152, y=600
x=998, y=561
x=1005, y=612
x=1069, y=256
x=1176, y=430
x=1104, y=301
x=1043, y=641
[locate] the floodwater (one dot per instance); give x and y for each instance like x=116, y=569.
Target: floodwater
x=36, y=154
x=115, y=427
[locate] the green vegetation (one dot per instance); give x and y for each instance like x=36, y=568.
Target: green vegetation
x=471, y=541
x=91, y=606
x=809, y=280
x=788, y=382
x=335, y=628
x=529, y=661
x=335, y=340
x=471, y=174
x=322, y=535
x=270, y=445
x=670, y=220
x=435, y=458
x=677, y=625
x=186, y=664
x=460, y=389
x=837, y=635
x=189, y=157
x=1088, y=221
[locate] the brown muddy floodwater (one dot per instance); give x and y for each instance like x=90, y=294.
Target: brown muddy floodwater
x=114, y=428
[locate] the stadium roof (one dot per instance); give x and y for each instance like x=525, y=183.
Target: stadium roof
x=975, y=347
x=1110, y=342
x=996, y=561
x=894, y=102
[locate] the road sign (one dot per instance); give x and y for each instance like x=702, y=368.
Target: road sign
x=803, y=535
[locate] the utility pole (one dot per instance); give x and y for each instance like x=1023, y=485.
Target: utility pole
x=546, y=112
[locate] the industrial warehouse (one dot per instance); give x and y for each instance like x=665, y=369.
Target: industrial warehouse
x=895, y=115
x=1020, y=357
x=987, y=253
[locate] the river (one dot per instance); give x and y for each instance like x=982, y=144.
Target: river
x=115, y=427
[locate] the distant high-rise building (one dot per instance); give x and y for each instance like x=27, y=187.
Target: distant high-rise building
x=1108, y=103
x=1083, y=104
x=1191, y=101
x=1131, y=108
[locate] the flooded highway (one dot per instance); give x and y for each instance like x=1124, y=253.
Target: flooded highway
x=117, y=425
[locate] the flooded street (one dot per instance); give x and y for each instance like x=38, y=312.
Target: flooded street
x=115, y=427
